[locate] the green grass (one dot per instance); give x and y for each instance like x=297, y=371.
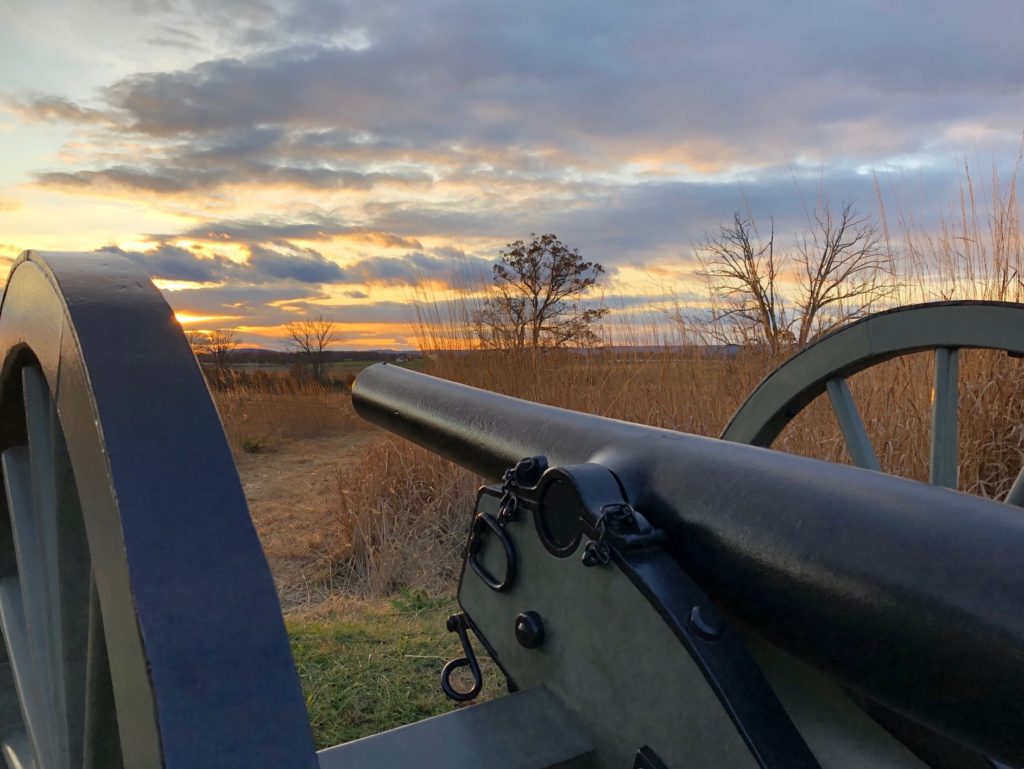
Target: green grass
x=371, y=667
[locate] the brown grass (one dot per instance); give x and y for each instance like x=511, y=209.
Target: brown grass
x=261, y=421
x=262, y=409
x=400, y=520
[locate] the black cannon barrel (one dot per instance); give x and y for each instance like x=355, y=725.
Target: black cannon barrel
x=910, y=594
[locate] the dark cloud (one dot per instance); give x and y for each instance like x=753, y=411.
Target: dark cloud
x=588, y=82
x=175, y=179
x=305, y=266
x=264, y=266
x=417, y=268
x=124, y=177
x=245, y=157
x=314, y=227
x=289, y=266
x=173, y=263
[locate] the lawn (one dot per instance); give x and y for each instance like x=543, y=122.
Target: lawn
x=368, y=666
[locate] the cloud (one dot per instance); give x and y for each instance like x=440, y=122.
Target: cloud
x=121, y=177
x=304, y=266
x=44, y=108
x=259, y=156
x=375, y=131
x=417, y=268
x=173, y=263
x=243, y=305
x=314, y=226
x=177, y=179
x=619, y=84
x=289, y=266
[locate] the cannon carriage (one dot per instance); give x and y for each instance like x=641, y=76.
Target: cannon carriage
x=654, y=599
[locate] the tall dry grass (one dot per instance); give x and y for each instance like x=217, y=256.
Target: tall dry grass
x=402, y=517
x=400, y=521
x=261, y=409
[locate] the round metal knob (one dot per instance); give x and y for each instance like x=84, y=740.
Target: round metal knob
x=529, y=629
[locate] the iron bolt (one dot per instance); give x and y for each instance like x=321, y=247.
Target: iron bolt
x=707, y=623
x=529, y=629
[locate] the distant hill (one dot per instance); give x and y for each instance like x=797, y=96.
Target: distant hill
x=260, y=356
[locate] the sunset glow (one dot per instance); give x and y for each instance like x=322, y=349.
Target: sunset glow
x=266, y=163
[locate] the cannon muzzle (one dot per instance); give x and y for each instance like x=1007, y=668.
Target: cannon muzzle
x=911, y=595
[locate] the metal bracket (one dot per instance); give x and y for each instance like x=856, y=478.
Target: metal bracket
x=620, y=526
x=457, y=623
x=568, y=502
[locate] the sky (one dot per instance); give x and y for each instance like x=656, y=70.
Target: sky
x=270, y=160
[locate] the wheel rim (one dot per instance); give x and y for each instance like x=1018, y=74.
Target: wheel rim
x=824, y=367
x=140, y=621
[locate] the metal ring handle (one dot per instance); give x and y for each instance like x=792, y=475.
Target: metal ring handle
x=481, y=524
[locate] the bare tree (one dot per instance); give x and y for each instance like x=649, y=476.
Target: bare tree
x=195, y=340
x=311, y=338
x=844, y=270
x=537, y=298
x=742, y=272
x=218, y=344
x=837, y=271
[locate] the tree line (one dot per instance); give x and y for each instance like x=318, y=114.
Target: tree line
x=762, y=293
x=309, y=338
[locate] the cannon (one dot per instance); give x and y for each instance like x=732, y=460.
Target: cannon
x=652, y=599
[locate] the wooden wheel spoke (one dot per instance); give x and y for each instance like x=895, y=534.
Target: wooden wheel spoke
x=74, y=588
x=856, y=436
x=31, y=694
x=101, y=746
x=49, y=611
x=945, y=405
x=17, y=751
x=42, y=426
x=26, y=614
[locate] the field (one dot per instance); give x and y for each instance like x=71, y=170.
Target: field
x=366, y=664
x=363, y=531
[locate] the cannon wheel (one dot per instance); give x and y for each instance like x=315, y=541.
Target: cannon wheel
x=140, y=621
x=823, y=367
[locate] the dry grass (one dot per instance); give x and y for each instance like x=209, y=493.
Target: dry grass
x=400, y=521
x=288, y=437
x=256, y=422
x=260, y=410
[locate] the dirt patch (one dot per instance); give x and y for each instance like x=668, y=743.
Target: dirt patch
x=289, y=491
